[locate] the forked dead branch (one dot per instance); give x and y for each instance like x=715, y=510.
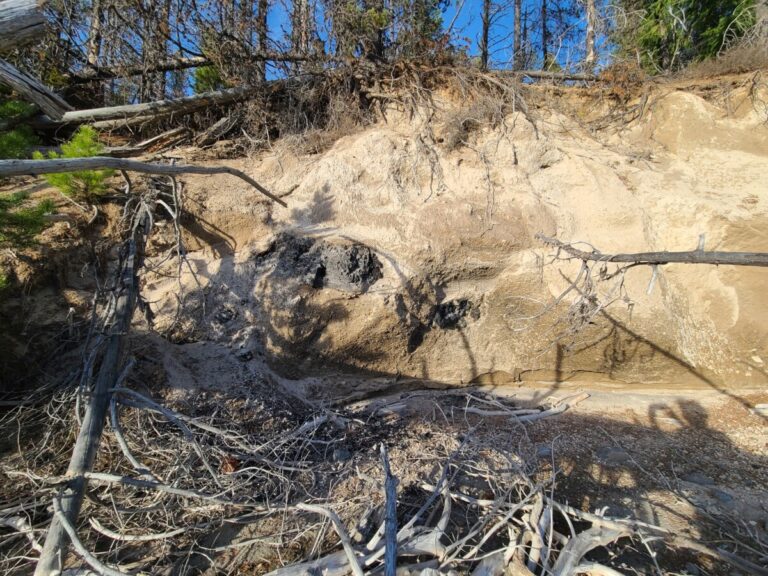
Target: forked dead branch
x=698, y=256
x=600, y=281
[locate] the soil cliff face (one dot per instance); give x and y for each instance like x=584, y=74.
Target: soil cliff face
x=457, y=289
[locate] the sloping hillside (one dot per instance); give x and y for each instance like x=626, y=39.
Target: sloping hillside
x=452, y=223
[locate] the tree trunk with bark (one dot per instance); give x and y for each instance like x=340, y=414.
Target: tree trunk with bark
x=544, y=36
x=590, y=56
x=301, y=27
x=94, y=35
x=517, y=39
x=486, y=23
x=262, y=34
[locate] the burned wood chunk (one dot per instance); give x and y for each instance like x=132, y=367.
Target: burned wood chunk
x=453, y=314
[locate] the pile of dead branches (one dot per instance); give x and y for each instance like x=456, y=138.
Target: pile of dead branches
x=253, y=480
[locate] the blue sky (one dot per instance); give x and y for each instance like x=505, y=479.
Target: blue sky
x=465, y=18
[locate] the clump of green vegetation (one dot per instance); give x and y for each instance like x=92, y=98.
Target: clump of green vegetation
x=84, y=184
x=668, y=34
x=15, y=142
x=207, y=79
x=19, y=224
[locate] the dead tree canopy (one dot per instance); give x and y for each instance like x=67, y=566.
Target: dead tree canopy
x=20, y=22
x=698, y=256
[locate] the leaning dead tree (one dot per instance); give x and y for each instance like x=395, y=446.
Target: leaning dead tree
x=33, y=90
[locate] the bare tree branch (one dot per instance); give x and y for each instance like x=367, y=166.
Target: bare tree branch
x=37, y=167
x=657, y=258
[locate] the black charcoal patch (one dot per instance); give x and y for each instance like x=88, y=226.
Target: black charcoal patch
x=225, y=314
x=453, y=314
x=349, y=267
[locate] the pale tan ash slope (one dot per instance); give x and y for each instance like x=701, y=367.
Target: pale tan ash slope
x=461, y=224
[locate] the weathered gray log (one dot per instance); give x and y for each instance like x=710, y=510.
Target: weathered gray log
x=577, y=548
x=59, y=165
x=157, y=143
x=636, y=527
x=89, y=437
x=216, y=131
x=564, y=76
x=21, y=21
x=659, y=258
x=548, y=75
x=148, y=110
x=32, y=90
x=106, y=125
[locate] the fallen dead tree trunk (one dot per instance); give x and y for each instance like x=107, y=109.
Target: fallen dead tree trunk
x=38, y=167
x=118, y=115
x=162, y=141
x=698, y=256
x=21, y=21
x=68, y=503
x=86, y=446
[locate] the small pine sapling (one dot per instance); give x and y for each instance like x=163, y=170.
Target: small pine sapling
x=86, y=185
